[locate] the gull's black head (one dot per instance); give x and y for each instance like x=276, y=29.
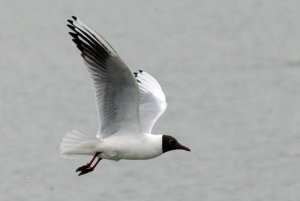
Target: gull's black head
x=169, y=143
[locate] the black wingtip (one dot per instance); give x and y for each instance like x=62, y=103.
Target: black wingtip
x=73, y=34
x=140, y=71
x=138, y=81
x=71, y=27
x=75, y=18
x=135, y=74
x=70, y=21
x=77, y=42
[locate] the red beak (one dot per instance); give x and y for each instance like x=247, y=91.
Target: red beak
x=179, y=146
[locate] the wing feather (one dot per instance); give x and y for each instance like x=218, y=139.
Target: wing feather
x=152, y=100
x=116, y=91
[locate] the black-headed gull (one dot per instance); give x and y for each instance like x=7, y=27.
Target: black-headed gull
x=128, y=106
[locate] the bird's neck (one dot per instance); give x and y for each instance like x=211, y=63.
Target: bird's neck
x=155, y=141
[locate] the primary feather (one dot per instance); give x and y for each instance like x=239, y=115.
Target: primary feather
x=117, y=94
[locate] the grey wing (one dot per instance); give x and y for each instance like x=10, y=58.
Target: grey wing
x=116, y=90
x=152, y=100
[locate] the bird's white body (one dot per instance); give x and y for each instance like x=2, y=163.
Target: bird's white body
x=128, y=106
x=115, y=147
x=139, y=147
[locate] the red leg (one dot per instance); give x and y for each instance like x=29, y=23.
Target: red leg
x=88, y=165
x=99, y=159
x=89, y=169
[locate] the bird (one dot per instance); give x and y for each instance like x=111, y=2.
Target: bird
x=128, y=105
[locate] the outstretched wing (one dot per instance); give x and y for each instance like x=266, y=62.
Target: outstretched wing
x=116, y=90
x=152, y=100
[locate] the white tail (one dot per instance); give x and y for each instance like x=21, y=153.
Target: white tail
x=76, y=145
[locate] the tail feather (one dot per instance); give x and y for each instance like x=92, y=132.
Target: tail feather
x=77, y=145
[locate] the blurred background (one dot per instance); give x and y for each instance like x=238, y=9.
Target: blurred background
x=230, y=71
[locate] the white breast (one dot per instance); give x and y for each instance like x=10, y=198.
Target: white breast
x=131, y=147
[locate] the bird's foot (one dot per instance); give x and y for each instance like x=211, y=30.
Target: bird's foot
x=84, y=167
x=85, y=171
x=88, y=167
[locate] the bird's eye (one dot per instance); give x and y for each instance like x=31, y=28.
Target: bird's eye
x=172, y=142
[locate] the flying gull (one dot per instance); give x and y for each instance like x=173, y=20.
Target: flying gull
x=128, y=106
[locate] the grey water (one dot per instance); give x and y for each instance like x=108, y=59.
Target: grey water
x=231, y=74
